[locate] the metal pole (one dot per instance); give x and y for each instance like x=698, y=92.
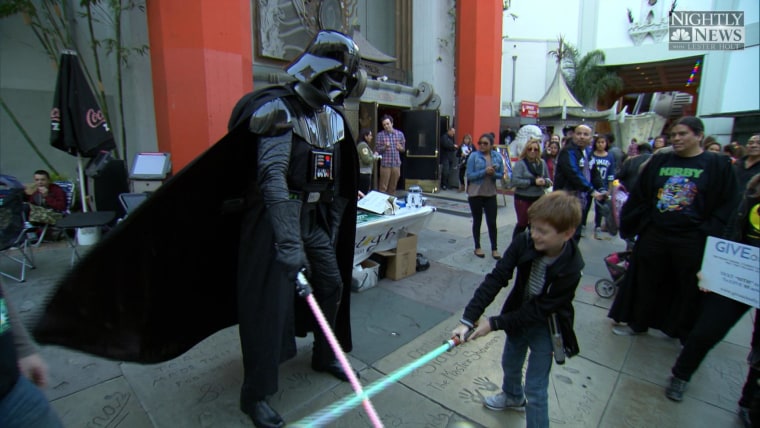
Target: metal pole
x=514, y=69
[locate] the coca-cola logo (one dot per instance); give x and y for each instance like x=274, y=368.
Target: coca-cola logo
x=95, y=118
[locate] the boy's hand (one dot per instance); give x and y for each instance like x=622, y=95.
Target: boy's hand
x=460, y=331
x=481, y=329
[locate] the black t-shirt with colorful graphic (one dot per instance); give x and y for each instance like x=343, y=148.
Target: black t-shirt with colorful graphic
x=681, y=184
x=8, y=365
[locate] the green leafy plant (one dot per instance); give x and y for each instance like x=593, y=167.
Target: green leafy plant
x=585, y=75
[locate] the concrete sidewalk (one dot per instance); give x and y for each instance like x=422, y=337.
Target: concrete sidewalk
x=614, y=382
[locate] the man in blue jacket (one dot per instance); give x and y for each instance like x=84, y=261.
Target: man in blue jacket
x=571, y=172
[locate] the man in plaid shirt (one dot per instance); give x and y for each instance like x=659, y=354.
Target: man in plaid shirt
x=390, y=142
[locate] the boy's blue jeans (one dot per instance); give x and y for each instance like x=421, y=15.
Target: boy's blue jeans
x=536, y=387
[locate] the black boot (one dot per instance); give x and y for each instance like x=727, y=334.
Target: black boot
x=323, y=359
x=334, y=368
x=262, y=414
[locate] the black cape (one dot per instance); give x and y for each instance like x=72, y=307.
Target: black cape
x=165, y=278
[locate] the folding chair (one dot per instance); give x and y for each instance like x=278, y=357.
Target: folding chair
x=68, y=188
x=14, y=230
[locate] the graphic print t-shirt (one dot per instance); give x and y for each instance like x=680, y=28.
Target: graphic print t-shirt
x=680, y=185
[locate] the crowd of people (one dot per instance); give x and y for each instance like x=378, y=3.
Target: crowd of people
x=682, y=187
x=681, y=192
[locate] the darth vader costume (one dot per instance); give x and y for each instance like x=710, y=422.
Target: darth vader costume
x=275, y=196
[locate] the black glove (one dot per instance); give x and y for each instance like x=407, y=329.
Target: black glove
x=286, y=224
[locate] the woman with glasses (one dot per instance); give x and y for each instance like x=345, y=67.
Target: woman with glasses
x=366, y=159
x=484, y=166
x=530, y=177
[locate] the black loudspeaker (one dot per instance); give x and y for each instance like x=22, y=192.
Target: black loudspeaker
x=110, y=182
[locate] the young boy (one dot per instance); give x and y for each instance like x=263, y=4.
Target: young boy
x=549, y=265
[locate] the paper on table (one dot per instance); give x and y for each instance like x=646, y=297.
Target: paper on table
x=378, y=203
x=732, y=270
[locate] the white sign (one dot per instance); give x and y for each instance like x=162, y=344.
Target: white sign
x=706, y=30
x=382, y=233
x=732, y=269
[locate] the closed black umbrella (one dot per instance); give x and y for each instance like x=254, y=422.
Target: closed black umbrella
x=77, y=123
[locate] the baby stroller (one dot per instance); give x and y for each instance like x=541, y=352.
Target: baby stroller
x=617, y=265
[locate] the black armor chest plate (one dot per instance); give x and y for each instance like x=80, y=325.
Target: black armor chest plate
x=312, y=161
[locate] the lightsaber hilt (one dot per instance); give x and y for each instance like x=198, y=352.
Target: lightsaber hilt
x=303, y=288
x=456, y=341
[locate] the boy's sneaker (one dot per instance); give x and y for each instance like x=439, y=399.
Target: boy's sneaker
x=500, y=401
x=598, y=233
x=675, y=390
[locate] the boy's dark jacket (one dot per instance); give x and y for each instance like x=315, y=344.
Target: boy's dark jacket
x=562, y=278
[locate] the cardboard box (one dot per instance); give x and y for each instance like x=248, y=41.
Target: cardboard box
x=365, y=278
x=402, y=262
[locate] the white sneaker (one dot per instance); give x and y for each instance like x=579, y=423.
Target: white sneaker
x=500, y=401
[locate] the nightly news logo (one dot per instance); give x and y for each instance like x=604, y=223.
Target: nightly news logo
x=706, y=30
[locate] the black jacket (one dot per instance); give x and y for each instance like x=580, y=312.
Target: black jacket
x=568, y=171
x=562, y=278
x=448, y=148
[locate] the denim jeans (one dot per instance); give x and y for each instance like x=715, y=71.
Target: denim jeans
x=25, y=406
x=536, y=389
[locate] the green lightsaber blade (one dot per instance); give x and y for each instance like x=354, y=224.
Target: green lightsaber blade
x=343, y=406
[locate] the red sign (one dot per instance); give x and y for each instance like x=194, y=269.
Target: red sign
x=528, y=109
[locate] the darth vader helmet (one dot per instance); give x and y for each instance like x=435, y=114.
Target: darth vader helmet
x=328, y=70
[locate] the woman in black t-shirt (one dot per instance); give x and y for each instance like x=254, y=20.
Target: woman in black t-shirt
x=680, y=198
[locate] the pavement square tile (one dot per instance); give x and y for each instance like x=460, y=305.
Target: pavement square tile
x=396, y=406
x=75, y=371
x=595, y=338
x=440, y=286
x=108, y=404
x=382, y=321
x=637, y=403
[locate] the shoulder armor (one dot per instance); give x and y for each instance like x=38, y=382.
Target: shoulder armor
x=321, y=129
x=272, y=118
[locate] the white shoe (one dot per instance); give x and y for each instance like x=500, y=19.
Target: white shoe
x=500, y=401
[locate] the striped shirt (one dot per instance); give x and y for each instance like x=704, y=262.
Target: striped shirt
x=538, y=275
x=386, y=147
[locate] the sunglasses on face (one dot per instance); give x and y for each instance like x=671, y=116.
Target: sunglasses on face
x=532, y=149
x=483, y=143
